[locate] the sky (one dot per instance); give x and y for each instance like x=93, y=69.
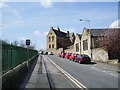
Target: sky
x=22, y=20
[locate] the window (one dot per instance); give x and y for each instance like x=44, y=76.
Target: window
x=49, y=46
x=52, y=38
x=80, y=47
x=49, y=39
x=85, y=45
x=77, y=47
x=95, y=42
x=52, y=45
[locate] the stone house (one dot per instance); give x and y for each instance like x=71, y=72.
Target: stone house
x=58, y=41
x=90, y=45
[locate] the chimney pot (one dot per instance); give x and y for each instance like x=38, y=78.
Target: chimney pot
x=58, y=29
x=68, y=34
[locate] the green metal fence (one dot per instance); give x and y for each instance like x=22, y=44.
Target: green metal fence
x=12, y=56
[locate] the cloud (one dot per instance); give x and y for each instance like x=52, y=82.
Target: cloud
x=12, y=16
x=3, y=5
x=37, y=33
x=22, y=38
x=115, y=24
x=46, y=3
x=45, y=33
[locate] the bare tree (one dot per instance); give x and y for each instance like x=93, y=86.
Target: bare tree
x=110, y=41
x=15, y=43
x=22, y=44
x=32, y=46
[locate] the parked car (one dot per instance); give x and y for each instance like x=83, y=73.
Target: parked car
x=50, y=53
x=72, y=57
x=45, y=53
x=60, y=54
x=63, y=54
x=41, y=52
x=82, y=59
x=68, y=55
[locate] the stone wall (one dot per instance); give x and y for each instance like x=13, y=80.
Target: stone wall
x=55, y=51
x=70, y=50
x=99, y=54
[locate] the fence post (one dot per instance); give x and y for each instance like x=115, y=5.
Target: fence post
x=28, y=58
x=11, y=54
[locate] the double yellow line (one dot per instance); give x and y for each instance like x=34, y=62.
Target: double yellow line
x=76, y=82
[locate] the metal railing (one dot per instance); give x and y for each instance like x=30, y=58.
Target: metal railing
x=13, y=56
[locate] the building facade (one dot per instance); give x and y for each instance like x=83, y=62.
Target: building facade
x=88, y=43
x=58, y=41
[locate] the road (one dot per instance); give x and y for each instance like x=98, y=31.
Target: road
x=87, y=74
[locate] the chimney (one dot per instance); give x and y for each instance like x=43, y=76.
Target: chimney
x=51, y=28
x=68, y=34
x=58, y=29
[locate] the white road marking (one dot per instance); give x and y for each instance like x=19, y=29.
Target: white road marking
x=69, y=76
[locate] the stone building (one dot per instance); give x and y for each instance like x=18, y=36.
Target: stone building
x=87, y=43
x=90, y=45
x=58, y=41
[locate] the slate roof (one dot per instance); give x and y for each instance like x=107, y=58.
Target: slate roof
x=99, y=32
x=60, y=34
x=71, y=34
x=79, y=35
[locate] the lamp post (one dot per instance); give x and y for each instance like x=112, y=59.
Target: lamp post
x=90, y=36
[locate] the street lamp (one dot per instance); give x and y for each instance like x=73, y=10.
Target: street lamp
x=86, y=20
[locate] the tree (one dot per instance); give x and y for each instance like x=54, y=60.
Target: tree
x=32, y=46
x=22, y=44
x=15, y=43
x=110, y=42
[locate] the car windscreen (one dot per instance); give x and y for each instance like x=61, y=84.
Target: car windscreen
x=86, y=56
x=79, y=56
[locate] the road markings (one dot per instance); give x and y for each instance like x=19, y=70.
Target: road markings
x=68, y=75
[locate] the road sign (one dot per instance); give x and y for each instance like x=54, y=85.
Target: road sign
x=27, y=41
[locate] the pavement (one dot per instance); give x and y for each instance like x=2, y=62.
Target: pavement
x=106, y=66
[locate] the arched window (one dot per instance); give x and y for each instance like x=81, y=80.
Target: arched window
x=49, y=46
x=52, y=38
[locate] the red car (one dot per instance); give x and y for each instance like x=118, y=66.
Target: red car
x=67, y=55
x=60, y=54
x=82, y=59
x=72, y=57
x=63, y=54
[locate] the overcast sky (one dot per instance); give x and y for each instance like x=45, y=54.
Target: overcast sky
x=33, y=20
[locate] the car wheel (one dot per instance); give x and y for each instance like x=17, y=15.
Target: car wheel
x=73, y=59
x=79, y=62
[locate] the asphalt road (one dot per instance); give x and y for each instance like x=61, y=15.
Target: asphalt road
x=87, y=74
